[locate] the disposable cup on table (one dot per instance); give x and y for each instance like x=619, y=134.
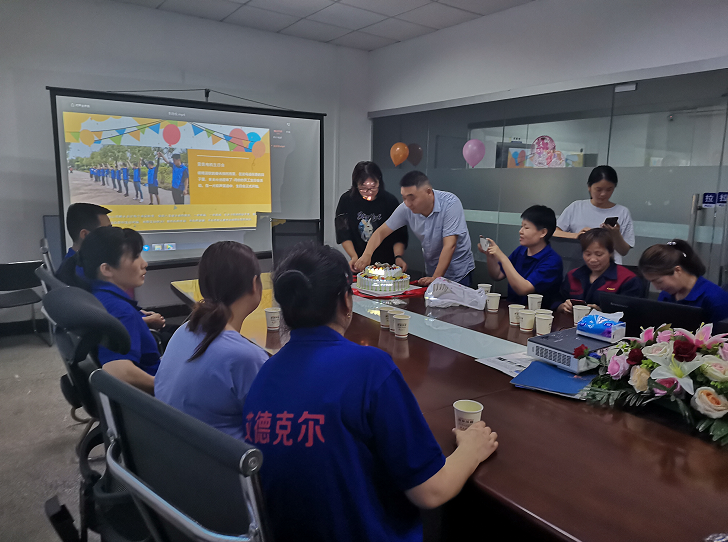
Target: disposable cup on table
x=580, y=311
x=467, y=413
x=534, y=301
x=401, y=326
x=527, y=319
x=384, y=316
x=547, y=312
x=493, y=300
x=544, y=323
x=485, y=287
x=273, y=318
x=392, y=314
x=513, y=313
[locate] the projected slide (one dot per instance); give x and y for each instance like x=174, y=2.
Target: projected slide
x=157, y=174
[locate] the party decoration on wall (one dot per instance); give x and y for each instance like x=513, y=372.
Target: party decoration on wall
x=171, y=134
x=399, y=153
x=544, y=153
x=473, y=152
x=415, y=153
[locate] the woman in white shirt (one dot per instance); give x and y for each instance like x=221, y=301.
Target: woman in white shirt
x=599, y=211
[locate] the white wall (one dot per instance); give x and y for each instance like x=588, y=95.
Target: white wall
x=542, y=45
x=104, y=45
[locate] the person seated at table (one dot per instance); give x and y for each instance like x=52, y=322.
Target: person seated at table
x=112, y=262
x=81, y=219
x=533, y=267
x=347, y=450
x=598, y=274
x=208, y=365
x=677, y=271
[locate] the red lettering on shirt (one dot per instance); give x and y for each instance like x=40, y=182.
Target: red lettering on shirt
x=262, y=427
x=248, y=419
x=315, y=421
x=283, y=428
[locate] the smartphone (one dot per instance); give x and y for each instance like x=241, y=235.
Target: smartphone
x=484, y=243
x=577, y=302
x=611, y=221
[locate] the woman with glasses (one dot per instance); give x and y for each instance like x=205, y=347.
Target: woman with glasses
x=361, y=210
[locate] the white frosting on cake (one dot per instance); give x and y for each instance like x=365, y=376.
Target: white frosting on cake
x=384, y=278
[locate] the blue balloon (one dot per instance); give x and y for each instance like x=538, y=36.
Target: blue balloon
x=253, y=137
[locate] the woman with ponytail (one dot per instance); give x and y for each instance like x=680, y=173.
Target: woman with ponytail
x=208, y=366
x=677, y=271
x=347, y=451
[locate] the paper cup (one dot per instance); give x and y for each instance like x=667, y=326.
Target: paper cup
x=580, y=311
x=384, y=316
x=526, y=318
x=401, y=326
x=484, y=287
x=547, y=312
x=392, y=314
x=273, y=318
x=543, y=323
x=493, y=300
x=534, y=301
x=484, y=244
x=467, y=412
x=513, y=313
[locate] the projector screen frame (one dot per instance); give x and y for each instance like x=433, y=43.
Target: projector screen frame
x=176, y=102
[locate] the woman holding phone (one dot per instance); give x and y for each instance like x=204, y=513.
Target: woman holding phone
x=599, y=212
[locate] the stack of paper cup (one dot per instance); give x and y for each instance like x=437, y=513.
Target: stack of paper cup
x=401, y=326
x=484, y=287
x=384, y=316
x=513, y=313
x=392, y=313
x=467, y=412
x=547, y=312
x=273, y=318
x=543, y=323
x=527, y=318
x=580, y=311
x=534, y=301
x=493, y=300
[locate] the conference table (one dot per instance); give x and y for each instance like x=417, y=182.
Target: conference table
x=564, y=469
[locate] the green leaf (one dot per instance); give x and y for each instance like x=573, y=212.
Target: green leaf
x=685, y=410
x=719, y=429
x=705, y=424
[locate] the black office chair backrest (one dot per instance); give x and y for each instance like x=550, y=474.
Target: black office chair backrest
x=48, y=279
x=192, y=482
x=45, y=255
x=644, y=283
x=19, y=275
x=570, y=252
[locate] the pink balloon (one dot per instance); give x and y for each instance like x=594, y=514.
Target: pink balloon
x=240, y=138
x=258, y=149
x=171, y=134
x=473, y=152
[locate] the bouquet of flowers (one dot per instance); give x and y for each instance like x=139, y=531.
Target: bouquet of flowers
x=690, y=370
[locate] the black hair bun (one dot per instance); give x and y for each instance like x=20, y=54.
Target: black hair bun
x=292, y=287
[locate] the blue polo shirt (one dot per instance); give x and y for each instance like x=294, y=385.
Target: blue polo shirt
x=711, y=297
x=125, y=173
x=178, y=175
x=447, y=218
x=543, y=270
x=143, y=352
x=137, y=175
x=343, y=438
x=152, y=176
x=113, y=174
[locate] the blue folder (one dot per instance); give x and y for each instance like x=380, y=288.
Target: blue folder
x=545, y=377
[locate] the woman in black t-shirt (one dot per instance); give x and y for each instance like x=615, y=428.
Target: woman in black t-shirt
x=361, y=210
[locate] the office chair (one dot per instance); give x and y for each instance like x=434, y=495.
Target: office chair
x=190, y=481
x=46, y=256
x=105, y=506
x=18, y=280
x=570, y=252
x=48, y=281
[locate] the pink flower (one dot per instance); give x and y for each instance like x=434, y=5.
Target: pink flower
x=647, y=335
x=664, y=336
x=702, y=337
x=723, y=351
x=618, y=367
x=668, y=383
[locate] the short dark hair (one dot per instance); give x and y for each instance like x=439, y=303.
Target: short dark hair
x=83, y=216
x=662, y=259
x=362, y=172
x=310, y=283
x=414, y=178
x=602, y=173
x=597, y=235
x=177, y=156
x=108, y=245
x=541, y=217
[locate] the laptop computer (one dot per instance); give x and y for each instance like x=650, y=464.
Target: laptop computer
x=643, y=313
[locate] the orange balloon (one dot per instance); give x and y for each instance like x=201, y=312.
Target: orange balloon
x=399, y=153
x=258, y=149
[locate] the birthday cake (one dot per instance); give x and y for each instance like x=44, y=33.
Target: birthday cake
x=383, y=278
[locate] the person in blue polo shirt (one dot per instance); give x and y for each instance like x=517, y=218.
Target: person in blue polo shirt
x=677, y=271
x=152, y=183
x=91, y=173
x=180, y=178
x=113, y=170
x=123, y=173
x=348, y=453
x=438, y=221
x=81, y=219
x=112, y=262
x=534, y=267
x=137, y=178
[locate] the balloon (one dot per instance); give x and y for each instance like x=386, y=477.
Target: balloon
x=473, y=152
x=86, y=137
x=253, y=137
x=399, y=153
x=415, y=153
x=258, y=149
x=240, y=138
x=171, y=134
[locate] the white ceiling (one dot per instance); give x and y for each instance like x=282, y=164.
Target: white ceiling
x=361, y=24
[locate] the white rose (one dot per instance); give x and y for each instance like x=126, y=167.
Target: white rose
x=715, y=368
x=660, y=353
x=707, y=401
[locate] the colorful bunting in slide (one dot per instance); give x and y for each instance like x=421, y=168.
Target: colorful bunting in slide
x=98, y=135
x=155, y=128
x=121, y=131
x=136, y=135
x=196, y=129
x=232, y=146
x=116, y=139
x=74, y=135
x=215, y=139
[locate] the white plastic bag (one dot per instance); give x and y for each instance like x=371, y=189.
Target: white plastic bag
x=446, y=293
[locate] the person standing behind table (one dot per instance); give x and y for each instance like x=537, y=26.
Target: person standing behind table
x=208, y=366
x=677, y=271
x=583, y=215
x=348, y=453
x=598, y=274
x=152, y=183
x=362, y=210
x=534, y=267
x=137, y=179
x=438, y=221
x=180, y=178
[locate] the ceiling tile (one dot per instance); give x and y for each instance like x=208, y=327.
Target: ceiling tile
x=346, y=16
x=361, y=40
x=438, y=15
x=484, y=7
x=299, y=8
x=387, y=7
x=207, y=9
x=146, y=3
x=397, y=30
x=261, y=19
x=314, y=30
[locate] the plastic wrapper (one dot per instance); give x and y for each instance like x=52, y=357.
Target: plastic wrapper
x=446, y=293
x=604, y=327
